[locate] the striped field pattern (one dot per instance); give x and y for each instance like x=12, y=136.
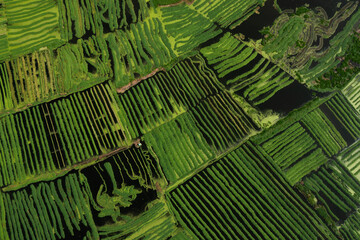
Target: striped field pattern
x=352, y=91
x=295, y=152
x=46, y=75
x=179, y=119
x=49, y=210
x=187, y=27
x=31, y=25
x=187, y=150
x=244, y=197
x=95, y=16
x=136, y=52
x=63, y=208
x=349, y=119
x=59, y=134
x=324, y=132
x=349, y=228
x=336, y=189
x=351, y=159
x=222, y=126
x=227, y=13
x=184, y=87
x=231, y=57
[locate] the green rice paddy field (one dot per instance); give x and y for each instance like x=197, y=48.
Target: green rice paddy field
x=179, y=119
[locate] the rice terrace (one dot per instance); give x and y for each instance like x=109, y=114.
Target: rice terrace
x=179, y=119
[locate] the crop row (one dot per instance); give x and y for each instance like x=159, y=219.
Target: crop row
x=228, y=55
x=352, y=92
x=74, y=63
x=4, y=44
x=179, y=146
x=336, y=189
x=131, y=165
x=325, y=133
x=197, y=136
x=302, y=146
x=27, y=79
x=31, y=25
x=350, y=228
x=227, y=13
x=350, y=157
x=293, y=117
x=188, y=28
x=78, y=18
x=76, y=205
x=278, y=141
x=81, y=65
x=167, y=94
x=114, y=183
x=243, y=197
x=222, y=126
x=289, y=146
x=231, y=57
x=58, y=134
x=306, y=165
x=286, y=37
x=43, y=75
x=54, y=210
x=139, y=50
x=345, y=115
x=154, y=223
x=327, y=58
x=268, y=84
x=295, y=152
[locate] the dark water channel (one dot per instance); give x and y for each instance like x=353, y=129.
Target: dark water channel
x=288, y=99
x=344, y=133
x=251, y=27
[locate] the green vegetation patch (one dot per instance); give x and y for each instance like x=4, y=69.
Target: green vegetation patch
x=139, y=50
x=227, y=13
x=197, y=140
x=168, y=94
x=287, y=36
x=78, y=204
x=222, y=126
x=345, y=114
x=350, y=228
x=82, y=65
x=345, y=71
x=155, y=223
x=4, y=44
x=185, y=152
x=52, y=210
x=243, y=196
x=350, y=157
x=295, y=152
x=164, y=2
x=128, y=119
x=333, y=192
x=97, y=17
x=324, y=131
x=59, y=134
x=31, y=25
x=45, y=75
x=230, y=56
x=351, y=91
x=188, y=28
x=302, y=142
x=308, y=44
